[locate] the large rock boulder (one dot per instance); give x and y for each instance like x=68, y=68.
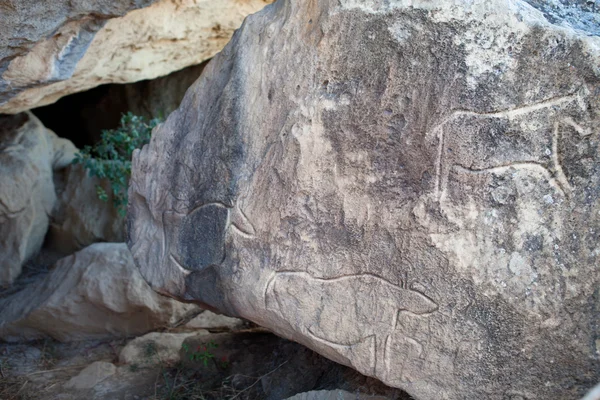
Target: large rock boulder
x=71, y=46
x=29, y=153
x=409, y=188
x=42, y=42
x=95, y=293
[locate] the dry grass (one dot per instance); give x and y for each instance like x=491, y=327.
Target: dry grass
x=177, y=384
x=13, y=388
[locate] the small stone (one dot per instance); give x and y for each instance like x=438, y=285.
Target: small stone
x=91, y=375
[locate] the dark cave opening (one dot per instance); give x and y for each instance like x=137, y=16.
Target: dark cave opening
x=81, y=117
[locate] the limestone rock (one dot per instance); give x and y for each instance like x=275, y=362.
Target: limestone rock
x=155, y=348
x=44, y=19
x=91, y=375
x=92, y=294
x=28, y=155
x=80, y=218
x=409, y=188
x=210, y=320
x=333, y=395
x=80, y=45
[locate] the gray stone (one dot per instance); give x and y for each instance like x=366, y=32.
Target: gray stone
x=65, y=27
x=408, y=188
x=210, y=320
x=91, y=375
x=79, y=217
x=71, y=46
x=95, y=293
x=29, y=154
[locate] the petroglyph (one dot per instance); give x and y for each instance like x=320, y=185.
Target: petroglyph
x=560, y=175
x=398, y=346
x=185, y=271
x=501, y=169
x=517, y=150
x=240, y=222
x=355, y=314
x=200, y=241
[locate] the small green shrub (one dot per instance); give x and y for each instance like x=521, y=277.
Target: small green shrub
x=111, y=157
x=202, y=353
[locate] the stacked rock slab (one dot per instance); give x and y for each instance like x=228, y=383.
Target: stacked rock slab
x=41, y=42
x=71, y=46
x=93, y=294
x=409, y=188
x=29, y=154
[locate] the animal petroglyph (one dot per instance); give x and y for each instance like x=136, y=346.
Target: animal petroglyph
x=357, y=315
x=200, y=241
x=497, y=141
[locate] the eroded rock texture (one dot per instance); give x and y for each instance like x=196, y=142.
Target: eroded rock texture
x=29, y=155
x=71, y=46
x=42, y=42
x=412, y=190
x=95, y=293
x=79, y=217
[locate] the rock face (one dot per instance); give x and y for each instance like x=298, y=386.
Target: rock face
x=155, y=348
x=95, y=293
x=29, y=153
x=210, y=320
x=62, y=30
x=92, y=375
x=413, y=191
x=76, y=45
x=79, y=217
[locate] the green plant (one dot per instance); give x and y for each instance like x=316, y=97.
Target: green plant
x=4, y=367
x=202, y=353
x=48, y=354
x=111, y=157
x=150, y=349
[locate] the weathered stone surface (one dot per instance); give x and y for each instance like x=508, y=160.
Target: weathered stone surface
x=155, y=348
x=28, y=155
x=210, y=320
x=92, y=375
x=94, y=293
x=409, y=188
x=60, y=31
x=80, y=45
x=79, y=217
